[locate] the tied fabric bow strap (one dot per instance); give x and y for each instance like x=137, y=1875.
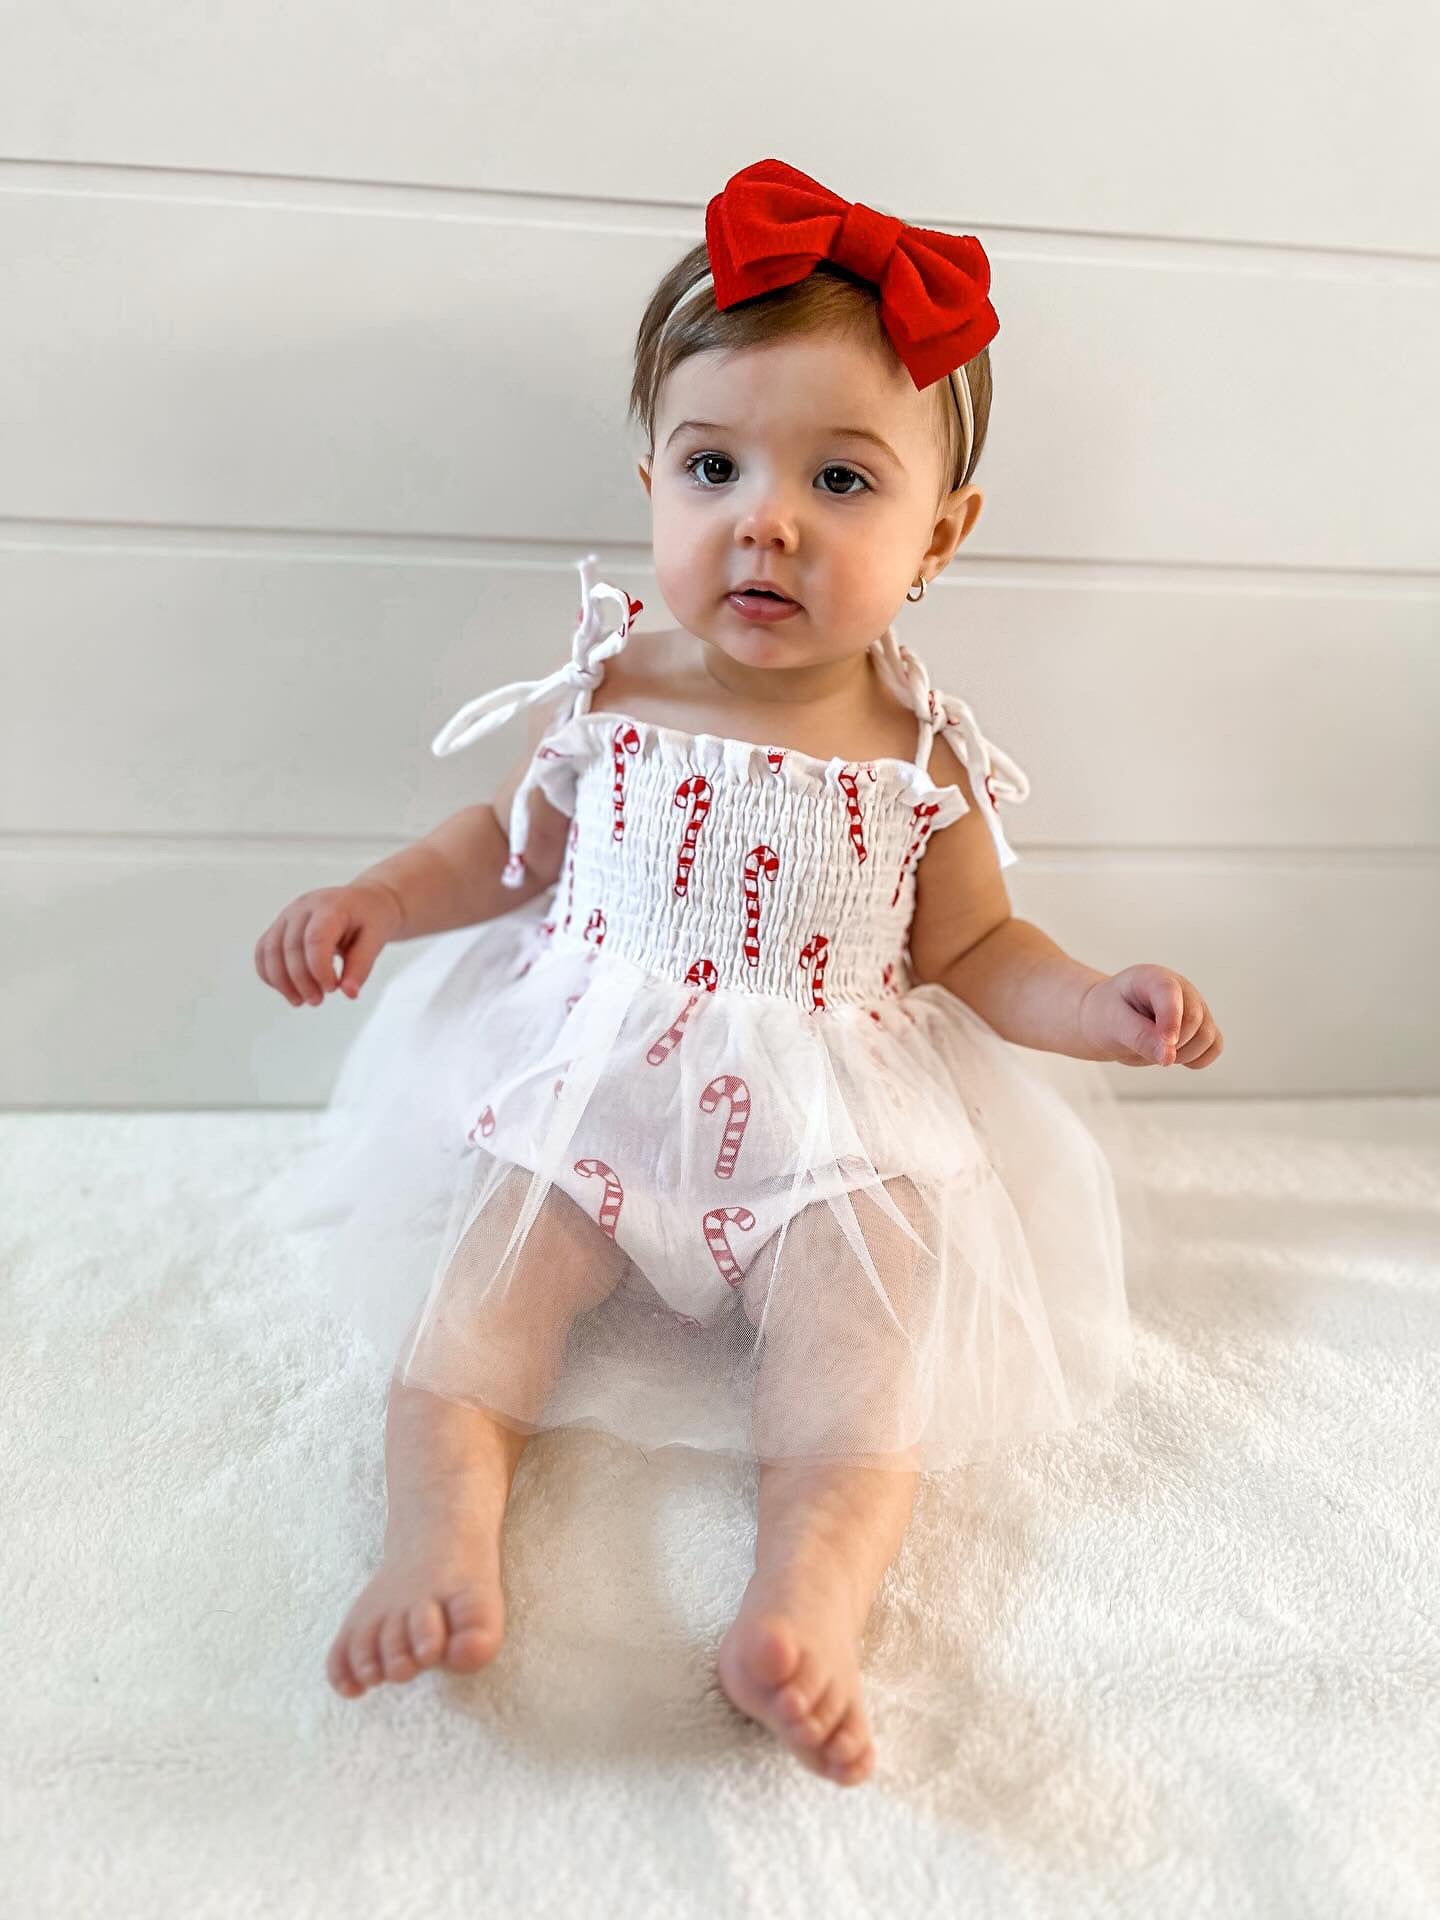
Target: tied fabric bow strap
x=482, y=715
x=994, y=776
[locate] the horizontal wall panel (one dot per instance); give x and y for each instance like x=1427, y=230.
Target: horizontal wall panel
x=1308, y=126
x=173, y=692
x=316, y=367
x=130, y=978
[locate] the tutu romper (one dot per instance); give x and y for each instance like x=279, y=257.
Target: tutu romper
x=677, y=1150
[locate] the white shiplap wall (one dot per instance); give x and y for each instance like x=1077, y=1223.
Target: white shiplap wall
x=316, y=350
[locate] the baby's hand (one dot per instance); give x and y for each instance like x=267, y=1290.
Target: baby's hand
x=1149, y=1016
x=296, y=952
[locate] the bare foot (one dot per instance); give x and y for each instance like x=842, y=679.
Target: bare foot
x=436, y=1598
x=791, y=1661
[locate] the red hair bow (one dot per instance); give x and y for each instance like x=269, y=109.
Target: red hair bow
x=772, y=224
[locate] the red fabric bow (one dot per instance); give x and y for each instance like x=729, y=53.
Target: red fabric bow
x=771, y=225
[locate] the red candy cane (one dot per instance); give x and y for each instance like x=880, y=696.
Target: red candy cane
x=761, y=859
x=849, y=780
x=570, y=883
x=624, y=740
x=612, y=1196
x=484, y=1126
x=714, y=1226
x=728, y=1086
x=702, y=974
x=697, y=788
x=596, y=925
x=814, y=953
x=924, y=814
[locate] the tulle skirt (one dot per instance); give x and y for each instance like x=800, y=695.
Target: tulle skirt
x=568, y=1191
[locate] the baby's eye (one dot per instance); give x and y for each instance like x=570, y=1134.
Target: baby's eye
x=699, y=460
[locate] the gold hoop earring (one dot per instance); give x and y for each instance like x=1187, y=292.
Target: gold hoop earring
x=915, y=598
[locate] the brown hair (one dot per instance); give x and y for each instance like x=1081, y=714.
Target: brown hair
x=827, y=300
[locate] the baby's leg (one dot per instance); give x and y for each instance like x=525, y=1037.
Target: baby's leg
x=827, y=1532
x=449, y=1465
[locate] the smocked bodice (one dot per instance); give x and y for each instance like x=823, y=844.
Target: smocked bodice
x=731, y=864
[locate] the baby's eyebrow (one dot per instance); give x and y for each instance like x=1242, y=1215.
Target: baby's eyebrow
x=822, y=433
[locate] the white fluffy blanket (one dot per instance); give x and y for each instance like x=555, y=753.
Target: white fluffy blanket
x=1185, y=1662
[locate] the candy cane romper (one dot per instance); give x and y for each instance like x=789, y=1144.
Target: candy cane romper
x=810, y=1209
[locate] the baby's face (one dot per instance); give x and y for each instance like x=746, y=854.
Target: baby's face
x=776, y=490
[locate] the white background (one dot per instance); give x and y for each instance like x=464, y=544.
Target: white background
x=316, y=329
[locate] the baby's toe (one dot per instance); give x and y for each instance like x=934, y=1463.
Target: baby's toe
x=394, y=1645
x=364, y=1647
x=826, y=1712
x=337, y=1668
x=849, y=1754
x=426, y=1621
x=475, y=1629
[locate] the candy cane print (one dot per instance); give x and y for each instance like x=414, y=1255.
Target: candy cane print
x=697, y=788
x=761, y=859
x=714, y=1226
x=925, y=814
x=570, y=857
x=814, y=952
x=624, y=740
x=702, y=973
x=611, y=1198
x=728, y=1086
x=484, y=1126
x=596, y=925
x=849, y=780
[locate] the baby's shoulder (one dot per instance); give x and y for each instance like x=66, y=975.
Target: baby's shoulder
x=646, y=680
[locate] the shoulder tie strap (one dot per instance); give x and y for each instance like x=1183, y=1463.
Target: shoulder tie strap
x=590, y=646
x=994, y=776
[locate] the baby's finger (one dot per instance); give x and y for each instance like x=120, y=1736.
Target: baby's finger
x=297, y=964
x=274, y=965
x=359, y=960
x=1203, y=1044
x=321, y=937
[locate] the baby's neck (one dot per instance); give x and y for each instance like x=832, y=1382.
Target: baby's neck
x=847, y=681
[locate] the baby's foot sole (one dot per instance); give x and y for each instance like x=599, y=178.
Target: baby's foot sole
x=435, y=1600
x=807, y=1695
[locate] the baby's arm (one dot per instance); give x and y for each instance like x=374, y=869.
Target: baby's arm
x=451, y=878
x=1029, y=990
x=965, y=937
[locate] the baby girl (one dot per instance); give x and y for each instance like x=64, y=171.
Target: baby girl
x=715, y=1113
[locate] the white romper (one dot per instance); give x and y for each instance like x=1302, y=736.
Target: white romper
x=812, y=1209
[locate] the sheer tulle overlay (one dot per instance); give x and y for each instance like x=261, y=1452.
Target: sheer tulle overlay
x=921, y=1263
x=679, y=1150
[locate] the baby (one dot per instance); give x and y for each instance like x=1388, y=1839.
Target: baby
x=750, y=1158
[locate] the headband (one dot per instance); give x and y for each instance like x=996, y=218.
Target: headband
x=771, y=225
